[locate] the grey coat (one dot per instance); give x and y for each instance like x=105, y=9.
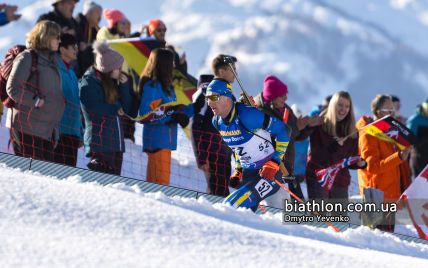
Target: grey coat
x=39, y=122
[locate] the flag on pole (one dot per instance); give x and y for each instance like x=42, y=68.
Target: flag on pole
x=389, y=129
x=416, y=197
x=136, y=52
x=326, y=176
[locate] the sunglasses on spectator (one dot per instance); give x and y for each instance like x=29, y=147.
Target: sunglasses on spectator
x=387, y=110
x=123, y=22
x=213, y=98
x=160, y=30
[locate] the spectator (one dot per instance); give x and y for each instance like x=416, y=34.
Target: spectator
x=157, y=29
x=319, y=108
x=8, y=14
x=383, y=160
x=418, y=123
x=272, y=101
x=127, y=31
x=397, y=107
x=116, y=27
x=63, y=15
x=160, y=117
x=405, y=166
x=39, y=101
x=332, y=141
x=207, y=145
x=104, y=95
x=71, y=126
x=301, y=148
x=87, y=28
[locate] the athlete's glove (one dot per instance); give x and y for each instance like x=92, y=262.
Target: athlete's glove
x=236, y=178
x=269, y=169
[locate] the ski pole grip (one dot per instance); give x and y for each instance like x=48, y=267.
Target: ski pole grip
x=229, y=59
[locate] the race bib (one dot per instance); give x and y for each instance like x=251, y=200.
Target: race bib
x=263, y=188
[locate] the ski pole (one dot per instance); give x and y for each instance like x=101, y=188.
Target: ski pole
x=229, y=60
x=330, y=224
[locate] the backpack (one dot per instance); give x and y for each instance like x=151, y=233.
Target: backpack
x=6, y=68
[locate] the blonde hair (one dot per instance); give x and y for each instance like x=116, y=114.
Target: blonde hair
x=40, y=36
x=330, y=119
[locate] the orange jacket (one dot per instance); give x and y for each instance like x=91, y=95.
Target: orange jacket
x=383, y=164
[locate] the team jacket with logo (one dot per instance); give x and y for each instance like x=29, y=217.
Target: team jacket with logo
x=248, y=133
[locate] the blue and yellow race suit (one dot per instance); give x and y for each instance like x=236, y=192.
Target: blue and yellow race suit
x=249, y=132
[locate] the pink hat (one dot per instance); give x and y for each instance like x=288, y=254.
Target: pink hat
x=112, y=16
x=106, y=59
x=154, y=24
x=273, y=87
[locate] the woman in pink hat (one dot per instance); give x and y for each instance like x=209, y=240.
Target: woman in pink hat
x=272, y=101
x=116, y=25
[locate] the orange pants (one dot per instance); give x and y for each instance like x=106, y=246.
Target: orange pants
x=159, y=166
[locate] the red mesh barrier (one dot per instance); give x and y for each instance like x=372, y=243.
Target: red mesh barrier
x=106, y=144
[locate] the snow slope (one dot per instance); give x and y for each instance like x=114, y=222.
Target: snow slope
x=316, y=46
x=45, y=222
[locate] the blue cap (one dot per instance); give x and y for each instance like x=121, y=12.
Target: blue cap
x=220, y=87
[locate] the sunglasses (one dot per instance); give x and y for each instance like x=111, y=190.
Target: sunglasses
x=160, y=30
x=213, y=98
x=387, y=110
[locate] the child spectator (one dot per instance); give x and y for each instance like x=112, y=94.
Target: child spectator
x=104, y=94
x=160, y=114
x=87, y=28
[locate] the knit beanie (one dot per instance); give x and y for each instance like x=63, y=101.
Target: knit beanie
x=273, y=87
x=88, y=6
x=106, y=59
x=112, y=16
x=154, y=24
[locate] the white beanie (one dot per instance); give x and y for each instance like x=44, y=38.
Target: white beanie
x=88, y=6
x=106, y=59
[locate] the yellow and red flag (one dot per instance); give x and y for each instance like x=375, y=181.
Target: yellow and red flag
x=391, y=130
x=136, y=52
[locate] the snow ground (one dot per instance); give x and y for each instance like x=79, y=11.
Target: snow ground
x=45, y=222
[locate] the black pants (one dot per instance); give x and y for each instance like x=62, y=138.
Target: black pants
x=219, y=175
x=66, y=150
x=107, y=162
x=295, y=188
x=26, y=145
x=338, y=194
